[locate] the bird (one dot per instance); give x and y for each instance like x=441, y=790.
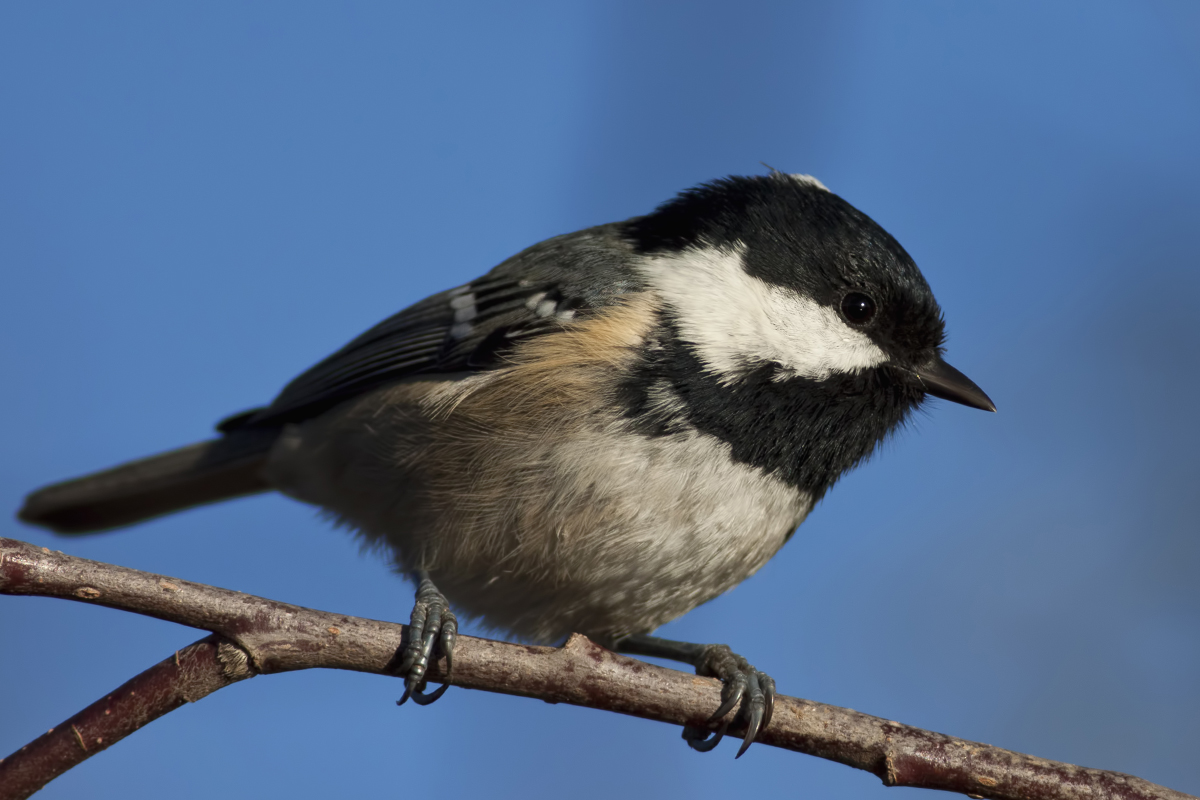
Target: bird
x=603, y=432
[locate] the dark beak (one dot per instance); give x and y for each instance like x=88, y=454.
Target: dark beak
x=942, y=380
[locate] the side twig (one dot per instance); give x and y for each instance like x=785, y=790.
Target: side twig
x=191, y=673
x=260, y=635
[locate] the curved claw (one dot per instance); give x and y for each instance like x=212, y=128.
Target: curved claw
x=735, y=689
x=756, y=706
x=698, y=738
x=768, y=686
x=422, y=699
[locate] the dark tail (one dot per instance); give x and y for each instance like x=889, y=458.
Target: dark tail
x=190, y=476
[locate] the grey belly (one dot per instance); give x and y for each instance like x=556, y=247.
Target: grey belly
x=550, y=528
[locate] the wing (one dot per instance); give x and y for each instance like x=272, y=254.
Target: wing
x=536, y=292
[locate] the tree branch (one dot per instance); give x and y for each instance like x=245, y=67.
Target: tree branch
x=191, y=673
x=255, y=635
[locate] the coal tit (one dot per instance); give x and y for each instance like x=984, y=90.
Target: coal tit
x=603, y=432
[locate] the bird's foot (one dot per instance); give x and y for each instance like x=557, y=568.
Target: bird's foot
x=433, y=623
x=745, y=688
x=751, y=692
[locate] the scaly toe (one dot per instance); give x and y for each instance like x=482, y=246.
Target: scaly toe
x=433, y=625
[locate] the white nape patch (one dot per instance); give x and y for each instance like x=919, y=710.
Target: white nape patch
x=808, y=180
x=737, y=321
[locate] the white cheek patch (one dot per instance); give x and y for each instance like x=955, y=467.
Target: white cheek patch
x=737, y=321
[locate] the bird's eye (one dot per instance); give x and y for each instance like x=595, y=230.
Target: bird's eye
x=858, y=308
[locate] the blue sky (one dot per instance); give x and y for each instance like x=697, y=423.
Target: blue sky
x=199, y=201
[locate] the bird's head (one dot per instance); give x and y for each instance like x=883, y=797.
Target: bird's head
x=800, y=308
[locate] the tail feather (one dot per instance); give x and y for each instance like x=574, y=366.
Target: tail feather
x=205, y=472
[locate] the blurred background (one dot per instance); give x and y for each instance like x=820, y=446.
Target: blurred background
x=197, y=201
